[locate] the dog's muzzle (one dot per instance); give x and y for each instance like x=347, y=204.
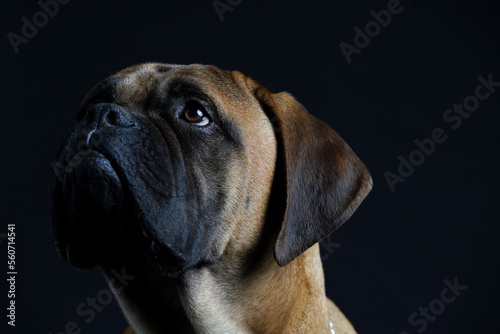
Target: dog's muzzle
x=92, y=189
x=108, y=185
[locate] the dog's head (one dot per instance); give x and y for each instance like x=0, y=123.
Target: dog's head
x=179, y=163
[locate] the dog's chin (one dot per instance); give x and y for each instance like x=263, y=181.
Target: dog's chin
x=94, y=224
x=86, y=202
x=164, y=261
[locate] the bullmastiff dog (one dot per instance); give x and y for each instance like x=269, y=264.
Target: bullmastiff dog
x=210, y=193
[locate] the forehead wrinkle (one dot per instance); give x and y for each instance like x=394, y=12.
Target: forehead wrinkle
x=136, y=88
x=215, y=84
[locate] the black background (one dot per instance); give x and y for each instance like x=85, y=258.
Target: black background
x=397, y=249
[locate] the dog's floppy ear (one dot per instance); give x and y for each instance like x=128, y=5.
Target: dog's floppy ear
x=325, y=181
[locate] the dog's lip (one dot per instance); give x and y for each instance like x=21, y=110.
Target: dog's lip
x=91, y=170
x=160, y=257
x=90, y=198
x=127, y=224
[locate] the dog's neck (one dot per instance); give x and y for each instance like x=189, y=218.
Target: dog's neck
x=230, y=298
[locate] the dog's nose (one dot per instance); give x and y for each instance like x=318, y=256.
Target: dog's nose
x=105, y=115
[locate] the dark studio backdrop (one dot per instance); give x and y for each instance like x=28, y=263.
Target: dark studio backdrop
x=420, y=254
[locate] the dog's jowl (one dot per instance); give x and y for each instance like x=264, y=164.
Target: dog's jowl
x=212, y=193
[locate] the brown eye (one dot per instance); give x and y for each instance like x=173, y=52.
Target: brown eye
x=195, y=114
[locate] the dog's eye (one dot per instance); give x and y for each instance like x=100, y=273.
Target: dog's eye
x=195, y=114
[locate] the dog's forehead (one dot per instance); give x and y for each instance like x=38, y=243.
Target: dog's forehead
x=138, y=84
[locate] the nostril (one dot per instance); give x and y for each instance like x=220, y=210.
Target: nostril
x=109, y=115
x=116, y=118
x=111, y=118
